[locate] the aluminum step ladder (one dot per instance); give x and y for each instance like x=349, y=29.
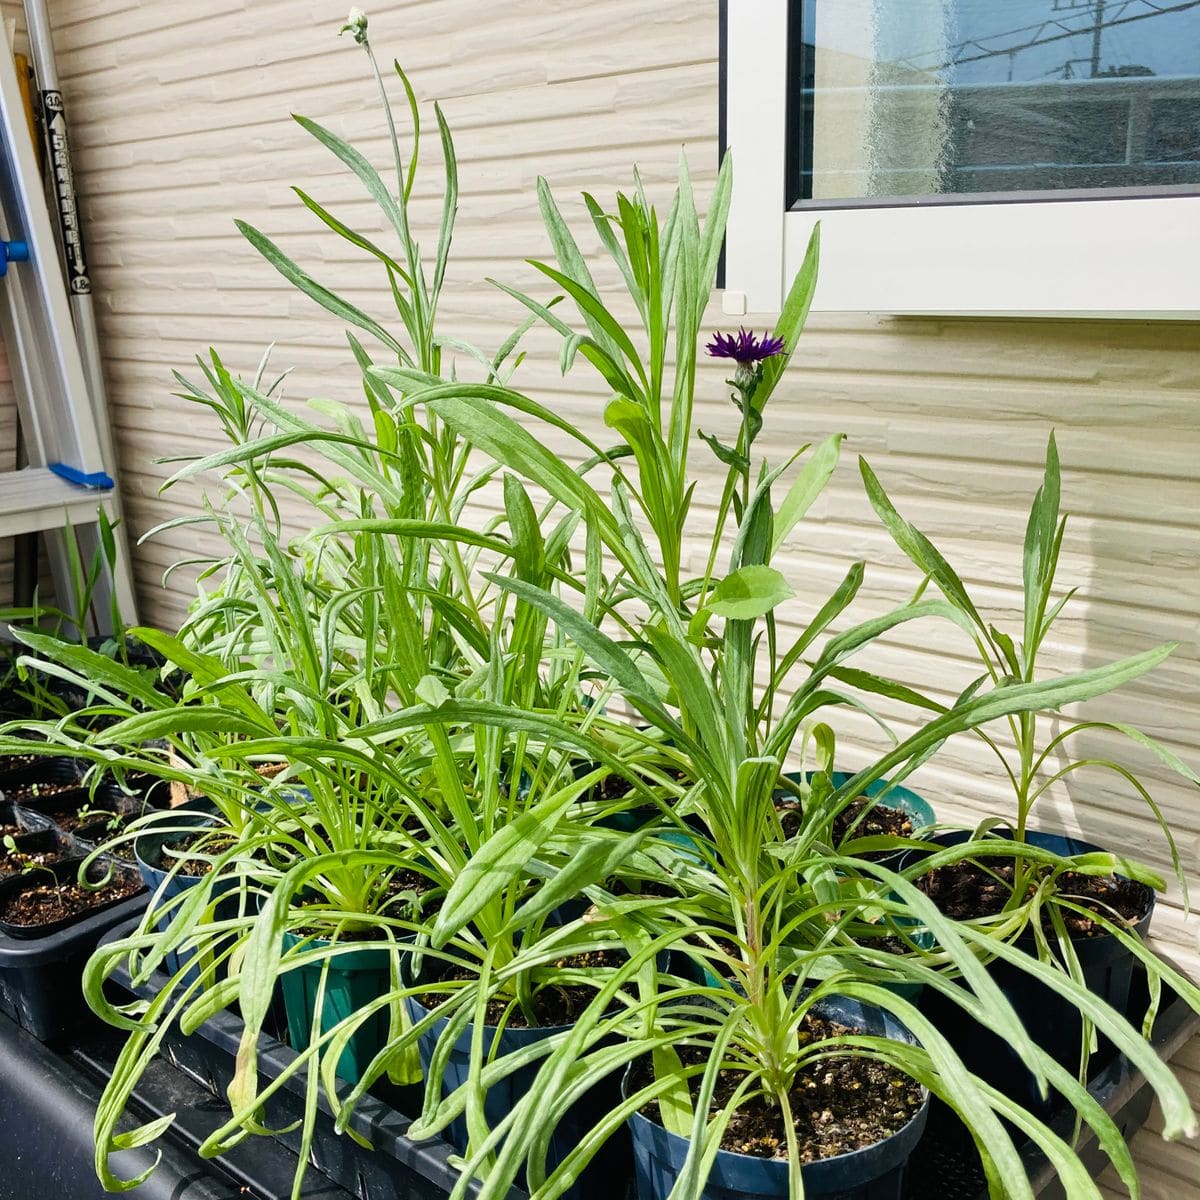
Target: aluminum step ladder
x=67, y=441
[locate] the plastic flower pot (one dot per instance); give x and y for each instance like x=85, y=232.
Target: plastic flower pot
x=16, y=777
x=1050, y=1019
x=62, y=873
x=875, y=1172
x=604, y=1175
x=155, y=869
x=915, y=807
x=39, y=975
x=354, y=979
x=40, y=841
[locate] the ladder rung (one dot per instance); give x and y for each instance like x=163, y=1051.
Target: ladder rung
x=35, y=498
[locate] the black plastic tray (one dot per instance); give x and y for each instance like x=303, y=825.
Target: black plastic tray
x=37, y=841
x=944, y=1164
x=15, y=782
x=40, y=976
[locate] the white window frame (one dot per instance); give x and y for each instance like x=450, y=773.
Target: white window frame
x=1121, y=257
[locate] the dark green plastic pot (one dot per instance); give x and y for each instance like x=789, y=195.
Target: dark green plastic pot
x=355, y=978
x=917, y=808
x=874, y=1173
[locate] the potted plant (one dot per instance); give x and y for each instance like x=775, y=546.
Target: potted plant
x=1077, y=907
x=425, y=682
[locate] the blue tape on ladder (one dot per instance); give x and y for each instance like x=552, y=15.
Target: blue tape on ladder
x=97, y=480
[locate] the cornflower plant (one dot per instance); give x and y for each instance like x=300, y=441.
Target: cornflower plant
x=771, y=917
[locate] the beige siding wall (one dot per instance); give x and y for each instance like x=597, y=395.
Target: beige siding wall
x=180, y=119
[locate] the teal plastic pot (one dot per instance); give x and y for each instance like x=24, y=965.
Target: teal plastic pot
x=917, y=808
x=355, y=979
x=1052, y=1021
x=874, y=1173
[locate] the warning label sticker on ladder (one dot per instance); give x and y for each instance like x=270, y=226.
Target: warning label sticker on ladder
x=68, y=215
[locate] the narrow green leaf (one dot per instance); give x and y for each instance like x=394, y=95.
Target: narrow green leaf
x=806, y=487
x=328, y=300
x=675, y=1101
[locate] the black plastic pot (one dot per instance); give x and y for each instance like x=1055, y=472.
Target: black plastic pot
x=873, y=1173
x=63, y=872
x=614, y=1160
x=104, y=800
x=1051, y=1020
x=25, y=819
x=39, y=975
x=42, y=841
x=15, y=781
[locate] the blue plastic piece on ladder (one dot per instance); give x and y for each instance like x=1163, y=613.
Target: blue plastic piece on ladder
x=97, y=480
x=13, y=252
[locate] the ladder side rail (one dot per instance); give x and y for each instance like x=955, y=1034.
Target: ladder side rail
x=56, y=409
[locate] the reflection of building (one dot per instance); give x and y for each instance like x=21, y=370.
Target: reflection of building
x=912, y=138
x=882, y=121
x=1119, y=131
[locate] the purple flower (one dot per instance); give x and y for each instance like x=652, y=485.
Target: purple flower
x=745, y=348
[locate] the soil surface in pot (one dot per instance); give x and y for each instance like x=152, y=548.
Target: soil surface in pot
x=838, y=1104
x=14, y=861
x=202, y=840
x=46, y=905
x=965, y=890
x=16, y=762
x=39, y=791
x=100, y=835
x=98, y=822
x=880, y=821
x=553, y=1004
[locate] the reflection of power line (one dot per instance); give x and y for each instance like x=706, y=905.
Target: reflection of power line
x=1119, y=12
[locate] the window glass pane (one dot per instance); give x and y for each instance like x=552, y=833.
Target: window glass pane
x=927, y=98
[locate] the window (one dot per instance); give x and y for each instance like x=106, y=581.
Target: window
x=1013, y=157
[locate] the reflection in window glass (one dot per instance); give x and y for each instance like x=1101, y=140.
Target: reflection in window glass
x=926, y=98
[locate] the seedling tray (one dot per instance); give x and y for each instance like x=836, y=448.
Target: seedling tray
x=39, y=976
x=16, y=781
x=944, y=1164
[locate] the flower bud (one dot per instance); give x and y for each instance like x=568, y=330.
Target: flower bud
x=356, y=24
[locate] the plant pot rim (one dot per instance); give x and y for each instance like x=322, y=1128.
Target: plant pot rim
x=904, y=1138
x=1039, y=838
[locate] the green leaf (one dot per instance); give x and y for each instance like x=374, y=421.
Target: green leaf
x=808, y=485
x=591, y=862
x=793, y=317
x=675, y=1101
x=493, y=866
x=918, y=547
x=605, y=327
x=598, y=646
x=725, y=454
x=328, y=300
x=749, y=592
x=432, y=691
